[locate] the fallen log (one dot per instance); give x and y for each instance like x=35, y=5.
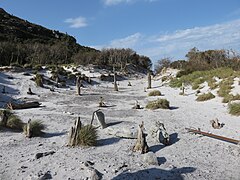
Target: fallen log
x=25, y=105
x=234, y=141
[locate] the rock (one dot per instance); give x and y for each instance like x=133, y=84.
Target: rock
x=150, y=158
x=39, y=155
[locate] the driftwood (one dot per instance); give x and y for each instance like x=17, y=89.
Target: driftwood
x=234, y=141
x=25, y=105
x=141, y=144
x=149, y=80
x=100, y=117
x=73, y=140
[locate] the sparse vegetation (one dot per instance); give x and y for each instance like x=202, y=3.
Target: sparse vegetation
x=159, y=103
x=36, y=128
x=87, y=136
x=154, y=93
x=234, y=109
x=205, y=97
x=12, y=121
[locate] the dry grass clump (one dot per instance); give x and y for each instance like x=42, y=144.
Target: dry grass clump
x=230, y=98
x=154, y=93
x=205, y=97
x=234, y=109
x=87, y=136
x=35, y=128
x=159, y=103
x=12, y=121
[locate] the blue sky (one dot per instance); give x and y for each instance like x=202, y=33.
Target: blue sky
x=155, y=28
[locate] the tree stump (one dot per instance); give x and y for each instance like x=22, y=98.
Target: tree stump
x=141, y=144
x=78, y=85
x=115, y=80
x=28, y=129
x=149, y=80
x=100, y=117
x=73, y=140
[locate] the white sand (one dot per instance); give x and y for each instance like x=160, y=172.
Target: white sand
x=189, y=157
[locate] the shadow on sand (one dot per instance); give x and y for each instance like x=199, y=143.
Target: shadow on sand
x=49, y=135
x=154, y=173
x=108, y=141
x=173, y=139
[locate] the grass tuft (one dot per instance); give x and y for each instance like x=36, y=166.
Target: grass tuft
x=205, y=97
x=234, y=109
x=87, y=136
x=159, y=103
x=36, y=128
x=154, y=93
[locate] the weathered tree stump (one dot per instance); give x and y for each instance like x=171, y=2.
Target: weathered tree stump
x=149, y=80
x=115, y=80
x=78, y=85
x=100, y=117
x=73, y=140
x=28, y=129
x=141, y=144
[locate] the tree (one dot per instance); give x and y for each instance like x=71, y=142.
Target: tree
x=162, y=63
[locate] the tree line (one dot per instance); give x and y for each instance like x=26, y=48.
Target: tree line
x=66, y=52
x=202, y=60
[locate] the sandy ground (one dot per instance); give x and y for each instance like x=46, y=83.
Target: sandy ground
x=188, y=157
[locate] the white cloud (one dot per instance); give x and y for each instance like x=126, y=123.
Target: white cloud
x=178, y=43
x=115, y=2
x=77, y=22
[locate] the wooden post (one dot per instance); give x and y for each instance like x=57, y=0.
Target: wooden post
x=149, y=80
x=74, y=133
x=141, y=144
x=78, y=85
x=183, y=88
x=114, y=80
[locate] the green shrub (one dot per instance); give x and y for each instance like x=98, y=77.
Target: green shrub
x=234, y=109
x=36, y=128
x=205, y=97
x=159, y=103
x=39, y=80
x=87, y=136
x=28, y=66
x=154, y=93
x=14, y=122
x=183, y=72
x=230, y=98
x=71, y=76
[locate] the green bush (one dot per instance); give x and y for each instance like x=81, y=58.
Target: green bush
x=154, y=93
x=36, y=128
x=205, y=97
x=37, y=67
x=234, y=109
x=159, y=103
x=87, y=136
x=14, y=122
x=230, y=98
